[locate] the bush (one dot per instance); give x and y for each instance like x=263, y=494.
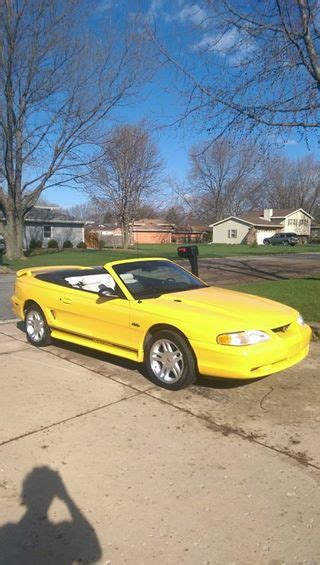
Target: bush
x=52, y=244
x=35, y=244
x=82, y=245
x=67, y=244
x=101, y=243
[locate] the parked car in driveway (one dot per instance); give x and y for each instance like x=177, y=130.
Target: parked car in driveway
x=155, y=312
x=283, y=238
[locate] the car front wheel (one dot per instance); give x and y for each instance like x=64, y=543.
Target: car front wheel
x=37, y=329
x=169, y=361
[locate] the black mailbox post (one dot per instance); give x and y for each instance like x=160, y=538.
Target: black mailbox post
x=190, y=252
x=2, y=250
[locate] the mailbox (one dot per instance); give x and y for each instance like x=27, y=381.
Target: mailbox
x=190, y=252
x=187, y=251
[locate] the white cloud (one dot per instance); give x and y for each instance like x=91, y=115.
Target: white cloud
x=232, y=43
x=155, y=5
x=220, y=44
x=104, y=6
x=291, y=142
x=193, y=13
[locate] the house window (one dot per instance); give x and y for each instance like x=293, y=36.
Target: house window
x=47, y=232
x=292, y=222
x=232, y=234
x=303, y=222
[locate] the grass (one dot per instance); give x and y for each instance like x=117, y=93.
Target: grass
x=97, y=257
x=301, y=294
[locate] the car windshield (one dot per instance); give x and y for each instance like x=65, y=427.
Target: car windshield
x=149, y=279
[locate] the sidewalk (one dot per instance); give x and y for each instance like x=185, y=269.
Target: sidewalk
x=208, y=475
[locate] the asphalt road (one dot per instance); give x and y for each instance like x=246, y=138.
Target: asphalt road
x=6, y=291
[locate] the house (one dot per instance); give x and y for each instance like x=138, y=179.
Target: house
x=148, y=230
x=315, y=233
x=43, y=223
x=254, y=226
x=152, y=230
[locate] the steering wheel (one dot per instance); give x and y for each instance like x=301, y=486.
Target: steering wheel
x=168, y=282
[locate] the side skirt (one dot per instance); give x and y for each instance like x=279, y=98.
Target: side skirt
x=127, y=353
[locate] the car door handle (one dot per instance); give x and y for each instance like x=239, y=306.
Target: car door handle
x=65, y=300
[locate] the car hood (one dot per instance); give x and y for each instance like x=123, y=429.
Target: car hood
x=236, y=310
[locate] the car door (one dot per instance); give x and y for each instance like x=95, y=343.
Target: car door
x=85, y=313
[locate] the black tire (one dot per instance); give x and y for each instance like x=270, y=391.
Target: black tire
x=180, y=358
x=267, y=242
x=286, y=243
x=37, y=329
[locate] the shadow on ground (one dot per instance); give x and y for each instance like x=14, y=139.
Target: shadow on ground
x=35, y=539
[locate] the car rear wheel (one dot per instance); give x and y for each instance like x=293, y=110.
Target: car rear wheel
x=169, y=361
x=37, y=329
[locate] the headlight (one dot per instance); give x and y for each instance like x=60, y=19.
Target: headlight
x=250, y=337
x=300, y=320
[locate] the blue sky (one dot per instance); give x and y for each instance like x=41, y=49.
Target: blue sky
x=159, y=104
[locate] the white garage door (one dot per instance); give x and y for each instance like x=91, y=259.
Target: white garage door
x=261, y=234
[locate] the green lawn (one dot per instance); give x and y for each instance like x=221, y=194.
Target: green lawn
x=97, y=257
x=302, y=294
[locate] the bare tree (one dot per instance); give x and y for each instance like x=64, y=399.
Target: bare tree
x=226, y=176
x=293, y=184
x=126, y=174
x=58, y=81
x=249, y=65
x=87, y=211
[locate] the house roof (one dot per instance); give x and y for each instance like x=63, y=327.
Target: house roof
x=250, y=219
x=48, y=215
x=156, y=222
x=254, y=219
x=279, y=212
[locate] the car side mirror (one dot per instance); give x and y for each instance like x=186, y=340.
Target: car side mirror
x=105, y=291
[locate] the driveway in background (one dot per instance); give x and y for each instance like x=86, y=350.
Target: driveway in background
x=229, y=271
x=114, y=470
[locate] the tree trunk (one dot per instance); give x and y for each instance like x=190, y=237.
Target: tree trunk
x=13, y=232
x=125, y=235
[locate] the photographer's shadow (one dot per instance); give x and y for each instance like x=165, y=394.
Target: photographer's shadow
x=38, y=541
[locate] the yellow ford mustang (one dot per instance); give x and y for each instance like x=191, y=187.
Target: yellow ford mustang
x=154, y=311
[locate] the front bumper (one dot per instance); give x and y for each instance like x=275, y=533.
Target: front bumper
x=252, y=361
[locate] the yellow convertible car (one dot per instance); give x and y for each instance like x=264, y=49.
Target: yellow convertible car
x=154, y=311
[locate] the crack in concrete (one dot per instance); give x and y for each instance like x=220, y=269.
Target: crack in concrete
x=9, y=352
x=54, y=424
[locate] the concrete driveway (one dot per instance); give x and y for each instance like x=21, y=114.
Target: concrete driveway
x=114, y=470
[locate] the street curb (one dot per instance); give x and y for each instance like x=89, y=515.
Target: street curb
x=9, y=320
x=315, y=326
